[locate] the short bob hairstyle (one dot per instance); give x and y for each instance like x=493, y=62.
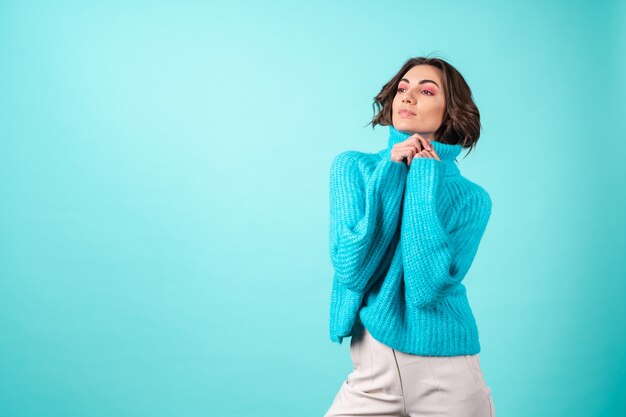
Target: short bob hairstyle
x=461, y=120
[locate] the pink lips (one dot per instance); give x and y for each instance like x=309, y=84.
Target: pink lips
x=404, y=112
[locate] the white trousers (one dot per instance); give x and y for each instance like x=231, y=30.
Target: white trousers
x=387, y=382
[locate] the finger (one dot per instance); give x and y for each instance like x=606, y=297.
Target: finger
x=413, y=140
x=399, y=152
x=404, y=156
x=425, y=143
x=411, y=146
x=412, y=152
x=433, y=155
x=419, y=143
x=405, y=147
x=416, y=140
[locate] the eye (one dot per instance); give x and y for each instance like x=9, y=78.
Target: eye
x=401, y=90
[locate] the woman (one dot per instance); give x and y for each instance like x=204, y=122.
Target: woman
x=405, y=226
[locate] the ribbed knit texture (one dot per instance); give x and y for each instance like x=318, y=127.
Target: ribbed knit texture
x=401, y=241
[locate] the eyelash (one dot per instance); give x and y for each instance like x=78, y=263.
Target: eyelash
x=400, y=88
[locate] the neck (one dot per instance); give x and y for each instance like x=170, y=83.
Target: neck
x=445, y=151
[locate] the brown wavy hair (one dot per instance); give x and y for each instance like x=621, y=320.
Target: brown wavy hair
x=461, y=120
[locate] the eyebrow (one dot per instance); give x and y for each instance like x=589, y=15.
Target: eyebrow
x=421, y=82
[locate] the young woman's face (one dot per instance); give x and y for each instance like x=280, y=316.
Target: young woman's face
x=421, y=93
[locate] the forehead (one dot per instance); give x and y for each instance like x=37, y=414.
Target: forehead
x=420, y=72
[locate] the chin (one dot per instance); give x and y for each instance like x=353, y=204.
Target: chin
x=402, y=125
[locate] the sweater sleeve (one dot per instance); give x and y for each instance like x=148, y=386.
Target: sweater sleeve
x=433, y=259
x=364, y=213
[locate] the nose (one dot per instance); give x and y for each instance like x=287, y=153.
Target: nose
x=406, y=99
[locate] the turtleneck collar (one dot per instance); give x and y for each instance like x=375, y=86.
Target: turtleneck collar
x=446, y=152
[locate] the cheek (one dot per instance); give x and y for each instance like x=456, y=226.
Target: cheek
x=437, y=107
x=395, y=105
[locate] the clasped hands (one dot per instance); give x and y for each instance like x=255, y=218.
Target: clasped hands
x=414, y=147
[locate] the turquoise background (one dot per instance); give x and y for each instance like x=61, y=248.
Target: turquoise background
x=164, y=179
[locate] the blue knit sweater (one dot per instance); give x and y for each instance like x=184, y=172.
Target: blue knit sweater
x=401, y=241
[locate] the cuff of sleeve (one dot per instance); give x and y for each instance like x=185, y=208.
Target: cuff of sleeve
x=392, y=171
x=425, y=174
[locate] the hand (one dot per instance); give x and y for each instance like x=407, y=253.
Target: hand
x=414, y=147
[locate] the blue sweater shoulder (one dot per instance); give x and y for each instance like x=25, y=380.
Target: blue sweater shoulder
x=354, y=165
